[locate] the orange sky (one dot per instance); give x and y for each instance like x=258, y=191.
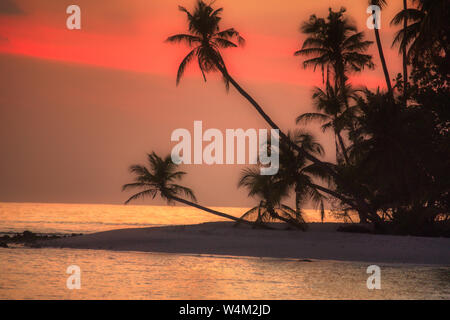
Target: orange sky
x=117, y=72
x=130, y=35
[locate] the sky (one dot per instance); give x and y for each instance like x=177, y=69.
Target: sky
x=77, y=107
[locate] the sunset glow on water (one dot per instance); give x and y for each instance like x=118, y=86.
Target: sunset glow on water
x=41, y=273
x=88, y=218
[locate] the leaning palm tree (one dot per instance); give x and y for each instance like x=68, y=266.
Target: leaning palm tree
x=381, y=4
x=270, y=190
x=334, y=43
x=159, y=177
x=206, y=40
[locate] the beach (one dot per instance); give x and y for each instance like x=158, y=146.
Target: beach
x=150, y=252
x=321, y=242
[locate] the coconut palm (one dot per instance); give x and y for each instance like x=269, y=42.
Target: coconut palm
x=334, y=43
x=296, y=173
x=270, y=190
x=206, y=40
x=159, y=177
x=333, y=113
x=428, y=33
x=405, y=58
x=381, y=4
x=386, y=161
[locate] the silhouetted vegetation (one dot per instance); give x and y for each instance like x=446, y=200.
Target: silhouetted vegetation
x=30, y=238
x=392, y=147
x=159, y=177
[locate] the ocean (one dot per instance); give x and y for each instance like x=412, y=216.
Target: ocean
x=28, y=273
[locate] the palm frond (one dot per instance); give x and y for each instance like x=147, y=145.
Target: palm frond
x=224, y=43
x=183, y=65
x=312, y=116
x=150, y=192
x=177, y=189
x=187, y=38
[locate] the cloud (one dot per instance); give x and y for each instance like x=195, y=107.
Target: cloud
x=9, y=7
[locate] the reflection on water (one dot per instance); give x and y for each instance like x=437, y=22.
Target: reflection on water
x=87, y=218
x=40, y=274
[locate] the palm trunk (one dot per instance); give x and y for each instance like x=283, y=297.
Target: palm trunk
x=383, y=61
x=291, y=222
x=405, y=61
x=364, y=212
x=344, y=150
x=336, y=147
x=361, y=204
x=272, y=124
x=297, y=201
x=217, y=213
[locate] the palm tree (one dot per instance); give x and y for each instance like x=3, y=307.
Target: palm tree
x=206, y=40
x=428, y=33
x=386, y=160
x=297, y=174
x=159, y=177
x=294, y=174
x=334, y=43
x=381, y=4
x=403, y=50
x=271, y=191
x=334, y=113
x=405, y=58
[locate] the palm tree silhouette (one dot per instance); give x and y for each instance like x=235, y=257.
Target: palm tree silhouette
x=271, y=191
x=428, y=33
x=334, y=113
x=381, y=4
x=382, y=150
x=203, y=27
x=206, y=39
x=296, y=173
x=405, y=58
x=159, y=177
x=334, y=43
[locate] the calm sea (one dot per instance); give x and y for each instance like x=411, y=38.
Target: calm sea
x=41, y=273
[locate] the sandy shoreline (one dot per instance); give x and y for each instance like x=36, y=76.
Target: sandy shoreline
x=220, y=238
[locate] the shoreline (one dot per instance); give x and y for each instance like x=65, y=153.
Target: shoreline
x=320, y=242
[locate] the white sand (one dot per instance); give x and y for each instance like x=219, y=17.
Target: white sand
x=220, y=238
